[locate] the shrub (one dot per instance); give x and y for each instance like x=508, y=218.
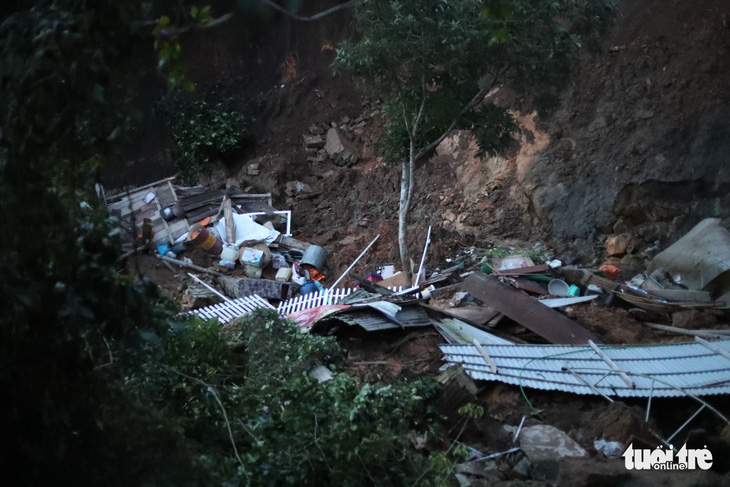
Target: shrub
x=205, y=129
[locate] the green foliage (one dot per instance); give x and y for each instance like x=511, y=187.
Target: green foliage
x=431, y=57
x=205, y=129
x=471, y=410
x=288, y=428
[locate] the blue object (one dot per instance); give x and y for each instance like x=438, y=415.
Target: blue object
x=573, y=290
x=308, y=288
x=163, y=248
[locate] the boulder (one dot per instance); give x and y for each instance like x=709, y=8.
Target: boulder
x=340, y=148
x=617, y=245
x=313, y=142
x=545, y=442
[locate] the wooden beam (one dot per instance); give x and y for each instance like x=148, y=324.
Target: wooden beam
x=528, y=312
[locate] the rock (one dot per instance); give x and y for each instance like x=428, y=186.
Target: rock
x=313, y=142
x=293, y=188
x=233, y=183
x=693, y=319
x=618, y=245
x=522, y=468
x=644, y=114
x=545, y=442
x=323, y=205
x=340, y=148
x=253, y=169
x=620, y=422
x=316, y=130
x=486, y=469
x=463, y=480
x=449, y=216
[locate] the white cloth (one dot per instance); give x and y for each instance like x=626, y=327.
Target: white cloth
x=246, y=230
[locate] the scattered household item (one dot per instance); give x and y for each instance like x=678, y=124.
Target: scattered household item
x=167, y=214
x=558, y=287
x=513, y=262
x=149, y=197
x=278, y=261
x=308, y=288
x=283, y=274
x=253, y=271
x=251, y=257
x=612, y=272
x=315, y=256
x=178, y=210
x=426, y=293
x=202, y=239
x=246, y=230
x=230, y=253
x=573, y=290
x=266, y=257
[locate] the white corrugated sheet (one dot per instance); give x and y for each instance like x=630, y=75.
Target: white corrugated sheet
x=657, y=370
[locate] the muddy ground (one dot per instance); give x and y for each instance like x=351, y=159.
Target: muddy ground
x=637, y=146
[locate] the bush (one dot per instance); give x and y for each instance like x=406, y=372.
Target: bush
x=253, y=390
x=205, y=129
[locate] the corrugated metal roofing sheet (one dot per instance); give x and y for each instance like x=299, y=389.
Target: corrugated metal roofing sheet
x=657, y=370
x=373, y=320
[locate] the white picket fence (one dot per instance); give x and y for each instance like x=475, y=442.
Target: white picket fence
x=227, y=311
x=320, y=298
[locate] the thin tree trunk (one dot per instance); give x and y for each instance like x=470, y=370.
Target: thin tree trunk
x=402, y=221
x=406, y=191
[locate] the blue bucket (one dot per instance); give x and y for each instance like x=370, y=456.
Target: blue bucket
x=308, y=288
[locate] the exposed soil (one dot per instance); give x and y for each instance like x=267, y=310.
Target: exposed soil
x=638, y=145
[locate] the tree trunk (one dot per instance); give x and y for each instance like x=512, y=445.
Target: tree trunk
x=406, y=190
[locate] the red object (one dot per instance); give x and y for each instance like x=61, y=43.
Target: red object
x=373, y=277
x=612, y=272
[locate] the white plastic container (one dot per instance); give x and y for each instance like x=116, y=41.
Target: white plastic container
x=283, y=275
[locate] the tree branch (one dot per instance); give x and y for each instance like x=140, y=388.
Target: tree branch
x=314, y=17
x=472, y=103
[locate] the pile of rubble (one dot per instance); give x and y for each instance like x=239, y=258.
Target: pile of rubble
x=502, y=319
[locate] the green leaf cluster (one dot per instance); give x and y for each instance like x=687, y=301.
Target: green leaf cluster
x=288, y=428
x=428, y=59
x=205, y=128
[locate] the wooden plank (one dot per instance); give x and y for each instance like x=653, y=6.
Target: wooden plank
x=165, y=196
x=681, y=295
x=524, y=270
x=198, y=200
x=289, y=243
x=473, y=315
x=135, y=190
x=529, y=286
x=546, y=322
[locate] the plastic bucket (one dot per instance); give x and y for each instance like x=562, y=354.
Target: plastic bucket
x=558, y=287
x=308, y=288
x=202, y=239
x=315, y=256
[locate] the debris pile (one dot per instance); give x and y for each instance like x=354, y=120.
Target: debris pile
x=508, y=319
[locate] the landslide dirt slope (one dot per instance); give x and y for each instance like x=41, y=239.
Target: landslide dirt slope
x=639, y=143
